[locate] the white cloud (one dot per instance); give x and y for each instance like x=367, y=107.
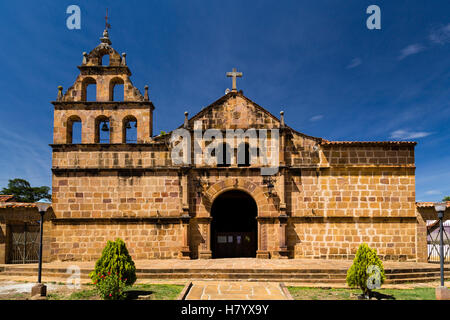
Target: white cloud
x=354, y=63
x=316, y=118
x=440, y=35
x=410, y=50
x=433, y=192
x=406, y=135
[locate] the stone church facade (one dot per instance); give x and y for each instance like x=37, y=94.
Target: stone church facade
x=325, y=199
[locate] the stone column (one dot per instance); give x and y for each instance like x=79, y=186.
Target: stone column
x=205, y=249
x=185, y=217
x=282, y=246
x=185, y=250
x=421, y=238
x=47, y=237
x=282, y=190
x=262, y=252
x=88, y=130
x=282, y=140
x=115, y=129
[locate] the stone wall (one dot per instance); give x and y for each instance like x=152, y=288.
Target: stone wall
x=108, y=194
x=336, y=209
x=85, y=240
x=116, y=156
x=339, y=238
x=325, y=203
x=367, y=154
x=353, y=192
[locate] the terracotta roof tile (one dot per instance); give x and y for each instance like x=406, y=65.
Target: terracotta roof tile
x=6, y=197
x=327, y=142
x=429, y=204
x=17, y=205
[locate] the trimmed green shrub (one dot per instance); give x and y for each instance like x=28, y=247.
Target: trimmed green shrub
x=115, y=260
x=367, y=271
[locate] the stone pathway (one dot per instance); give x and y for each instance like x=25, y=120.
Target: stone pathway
x=227, y=290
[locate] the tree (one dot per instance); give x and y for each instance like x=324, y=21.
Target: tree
x=447, y=198
x=367, y=271
x=24, y=192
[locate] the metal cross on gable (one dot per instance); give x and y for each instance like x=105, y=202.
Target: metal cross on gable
x=107, y=25
x=234, y=74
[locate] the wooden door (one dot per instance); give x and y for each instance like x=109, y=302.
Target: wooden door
x=235, y=244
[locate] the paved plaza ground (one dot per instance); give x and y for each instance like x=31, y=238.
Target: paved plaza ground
x=213, y=288
x=235, y=290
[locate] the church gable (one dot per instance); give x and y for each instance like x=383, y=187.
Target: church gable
x=235, y=111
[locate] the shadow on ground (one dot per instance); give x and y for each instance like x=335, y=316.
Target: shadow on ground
x=138, y=294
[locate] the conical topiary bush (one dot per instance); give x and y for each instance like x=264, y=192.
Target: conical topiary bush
x=367, y=271
x=115, y=259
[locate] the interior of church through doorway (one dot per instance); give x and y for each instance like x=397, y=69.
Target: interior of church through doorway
x=234, y=226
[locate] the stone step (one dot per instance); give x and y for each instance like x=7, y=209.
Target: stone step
x=155, y=275
x=292, y=275
x=414, y=270
x=413, y=275
x=237, y=276
x=307, y=278
x=411, y=280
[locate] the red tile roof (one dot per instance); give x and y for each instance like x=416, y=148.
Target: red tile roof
x=429, y=204
x=16, y=205
x=6, y=197
x=327, y=142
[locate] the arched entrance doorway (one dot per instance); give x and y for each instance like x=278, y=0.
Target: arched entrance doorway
x=234, y=226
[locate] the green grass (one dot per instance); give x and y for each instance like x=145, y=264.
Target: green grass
x=83, y=295
x=157, y=291
x=55, y=296
x=138, y=291
x=306, y=293
x=18, y=296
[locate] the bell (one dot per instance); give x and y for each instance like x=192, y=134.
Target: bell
x=105, y=127
x=128, y=126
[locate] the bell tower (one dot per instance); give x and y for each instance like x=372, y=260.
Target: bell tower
x=101, y=112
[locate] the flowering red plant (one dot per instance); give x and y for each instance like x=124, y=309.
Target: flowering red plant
x=111, y=286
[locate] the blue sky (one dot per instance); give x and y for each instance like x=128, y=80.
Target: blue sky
x=316, y=60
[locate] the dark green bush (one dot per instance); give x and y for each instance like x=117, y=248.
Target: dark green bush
x=115, y=260
x=367, y=271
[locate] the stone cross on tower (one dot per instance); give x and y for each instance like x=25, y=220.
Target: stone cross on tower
x=234, y=75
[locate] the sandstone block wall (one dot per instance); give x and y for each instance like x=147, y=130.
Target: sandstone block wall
x=113, y=194
x=84, y=241
x=339, y=238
